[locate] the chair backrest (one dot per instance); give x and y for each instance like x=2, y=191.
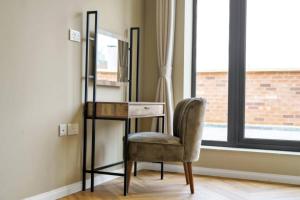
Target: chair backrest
x=188, y=124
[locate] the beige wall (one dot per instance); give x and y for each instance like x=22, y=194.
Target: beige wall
x=224, y=159
x=40, y=84
x=149, y=71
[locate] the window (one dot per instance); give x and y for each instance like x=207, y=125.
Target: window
x=273, y=70
x=246, y=65
x=212, y=65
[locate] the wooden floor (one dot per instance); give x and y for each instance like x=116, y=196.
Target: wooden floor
x=147, y=185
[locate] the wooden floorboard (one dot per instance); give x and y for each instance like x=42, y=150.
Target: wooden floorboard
x=147, y=185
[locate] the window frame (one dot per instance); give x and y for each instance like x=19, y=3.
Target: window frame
x=236, y=84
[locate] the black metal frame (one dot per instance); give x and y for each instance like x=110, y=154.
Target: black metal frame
x=194, y=49
x=84, y=170
x=236, y=89
x=137, y=77
x=99, y=170
x=132, y=30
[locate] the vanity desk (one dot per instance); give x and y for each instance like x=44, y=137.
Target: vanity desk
x=111, y=61
x=121, y=111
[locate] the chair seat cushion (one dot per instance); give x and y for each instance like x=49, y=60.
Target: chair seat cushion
x=153, y=137
x=154, y=147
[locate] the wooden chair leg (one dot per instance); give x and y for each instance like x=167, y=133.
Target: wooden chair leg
x=129, y=170
x=189, y=166
x=186, y=173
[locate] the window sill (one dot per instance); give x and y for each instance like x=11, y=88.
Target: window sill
x=250, y=150
x=108, y=83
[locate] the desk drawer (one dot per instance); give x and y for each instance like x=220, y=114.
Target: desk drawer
x=146, y=110
x=125, y=110
x=109, y=110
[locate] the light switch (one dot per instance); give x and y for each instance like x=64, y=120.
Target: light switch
x=73, y=129
x=62, y=129
x=75, y=35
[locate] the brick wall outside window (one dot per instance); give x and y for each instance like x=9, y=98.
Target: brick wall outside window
x=108, y=76
x=272, y=98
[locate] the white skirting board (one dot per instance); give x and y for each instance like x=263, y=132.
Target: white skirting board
x=73, y=188
x=255, y=176
x=100, y=179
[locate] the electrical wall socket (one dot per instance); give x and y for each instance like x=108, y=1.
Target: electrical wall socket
x=74, y=35
x=73, y=129
x=63, y=129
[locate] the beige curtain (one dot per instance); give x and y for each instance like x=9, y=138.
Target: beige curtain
x=165, y=28
x=122, y=61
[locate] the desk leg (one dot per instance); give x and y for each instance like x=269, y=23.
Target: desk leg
x=126, y=156
x=162, y=170
x=135, y=169
x=93, y=153
x=84, y=155
x=162, y=164
x=135, y=163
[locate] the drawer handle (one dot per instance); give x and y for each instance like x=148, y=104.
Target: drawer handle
x=146, y=108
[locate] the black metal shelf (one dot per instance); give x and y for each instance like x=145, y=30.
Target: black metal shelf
x=93, y=76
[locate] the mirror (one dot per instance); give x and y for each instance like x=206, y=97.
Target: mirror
x=112, y=60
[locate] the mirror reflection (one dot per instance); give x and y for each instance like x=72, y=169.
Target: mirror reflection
x=112, y=59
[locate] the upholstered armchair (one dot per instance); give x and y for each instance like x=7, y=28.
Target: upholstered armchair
x=183, y=146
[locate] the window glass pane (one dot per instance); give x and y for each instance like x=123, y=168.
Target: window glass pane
x=273, y=70
x=212, y=65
